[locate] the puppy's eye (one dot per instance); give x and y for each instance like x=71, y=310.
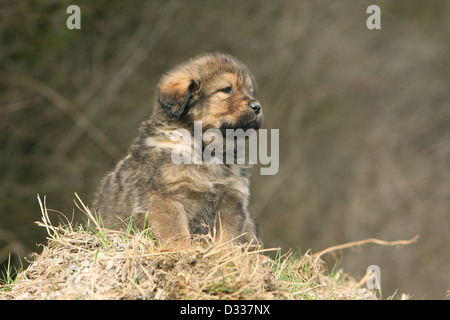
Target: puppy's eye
x=227, y=90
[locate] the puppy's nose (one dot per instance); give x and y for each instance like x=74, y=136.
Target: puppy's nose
x=255, y=106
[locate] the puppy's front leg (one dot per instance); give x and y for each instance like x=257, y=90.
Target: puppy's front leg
x=169, y=223
x=233, y=221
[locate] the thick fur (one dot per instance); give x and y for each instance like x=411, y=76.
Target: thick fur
x=178, y=200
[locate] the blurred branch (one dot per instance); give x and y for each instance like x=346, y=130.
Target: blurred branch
x=64, y=105
x=317, y=255
x=138, y=48
x=19, y=105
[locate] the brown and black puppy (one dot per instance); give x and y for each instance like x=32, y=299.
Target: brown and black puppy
x=178, y=200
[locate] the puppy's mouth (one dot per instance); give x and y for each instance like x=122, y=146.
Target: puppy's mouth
x=244, y=124
x=256, y=123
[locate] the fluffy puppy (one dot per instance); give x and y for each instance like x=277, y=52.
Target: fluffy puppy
x=180, y=199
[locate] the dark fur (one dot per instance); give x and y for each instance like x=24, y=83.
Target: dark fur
x=185, y=199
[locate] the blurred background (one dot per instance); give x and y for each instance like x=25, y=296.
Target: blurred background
x=364, y=118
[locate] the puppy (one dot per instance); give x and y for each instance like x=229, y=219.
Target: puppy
x=180, y=199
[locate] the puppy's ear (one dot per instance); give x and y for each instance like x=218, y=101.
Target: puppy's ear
x=176, y=93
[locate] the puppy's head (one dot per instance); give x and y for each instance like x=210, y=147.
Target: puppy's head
x=215, y=89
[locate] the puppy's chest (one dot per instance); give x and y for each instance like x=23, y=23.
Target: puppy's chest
x=206, y=188
x=203, y=206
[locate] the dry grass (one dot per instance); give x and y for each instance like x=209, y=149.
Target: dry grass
x=90, y=262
